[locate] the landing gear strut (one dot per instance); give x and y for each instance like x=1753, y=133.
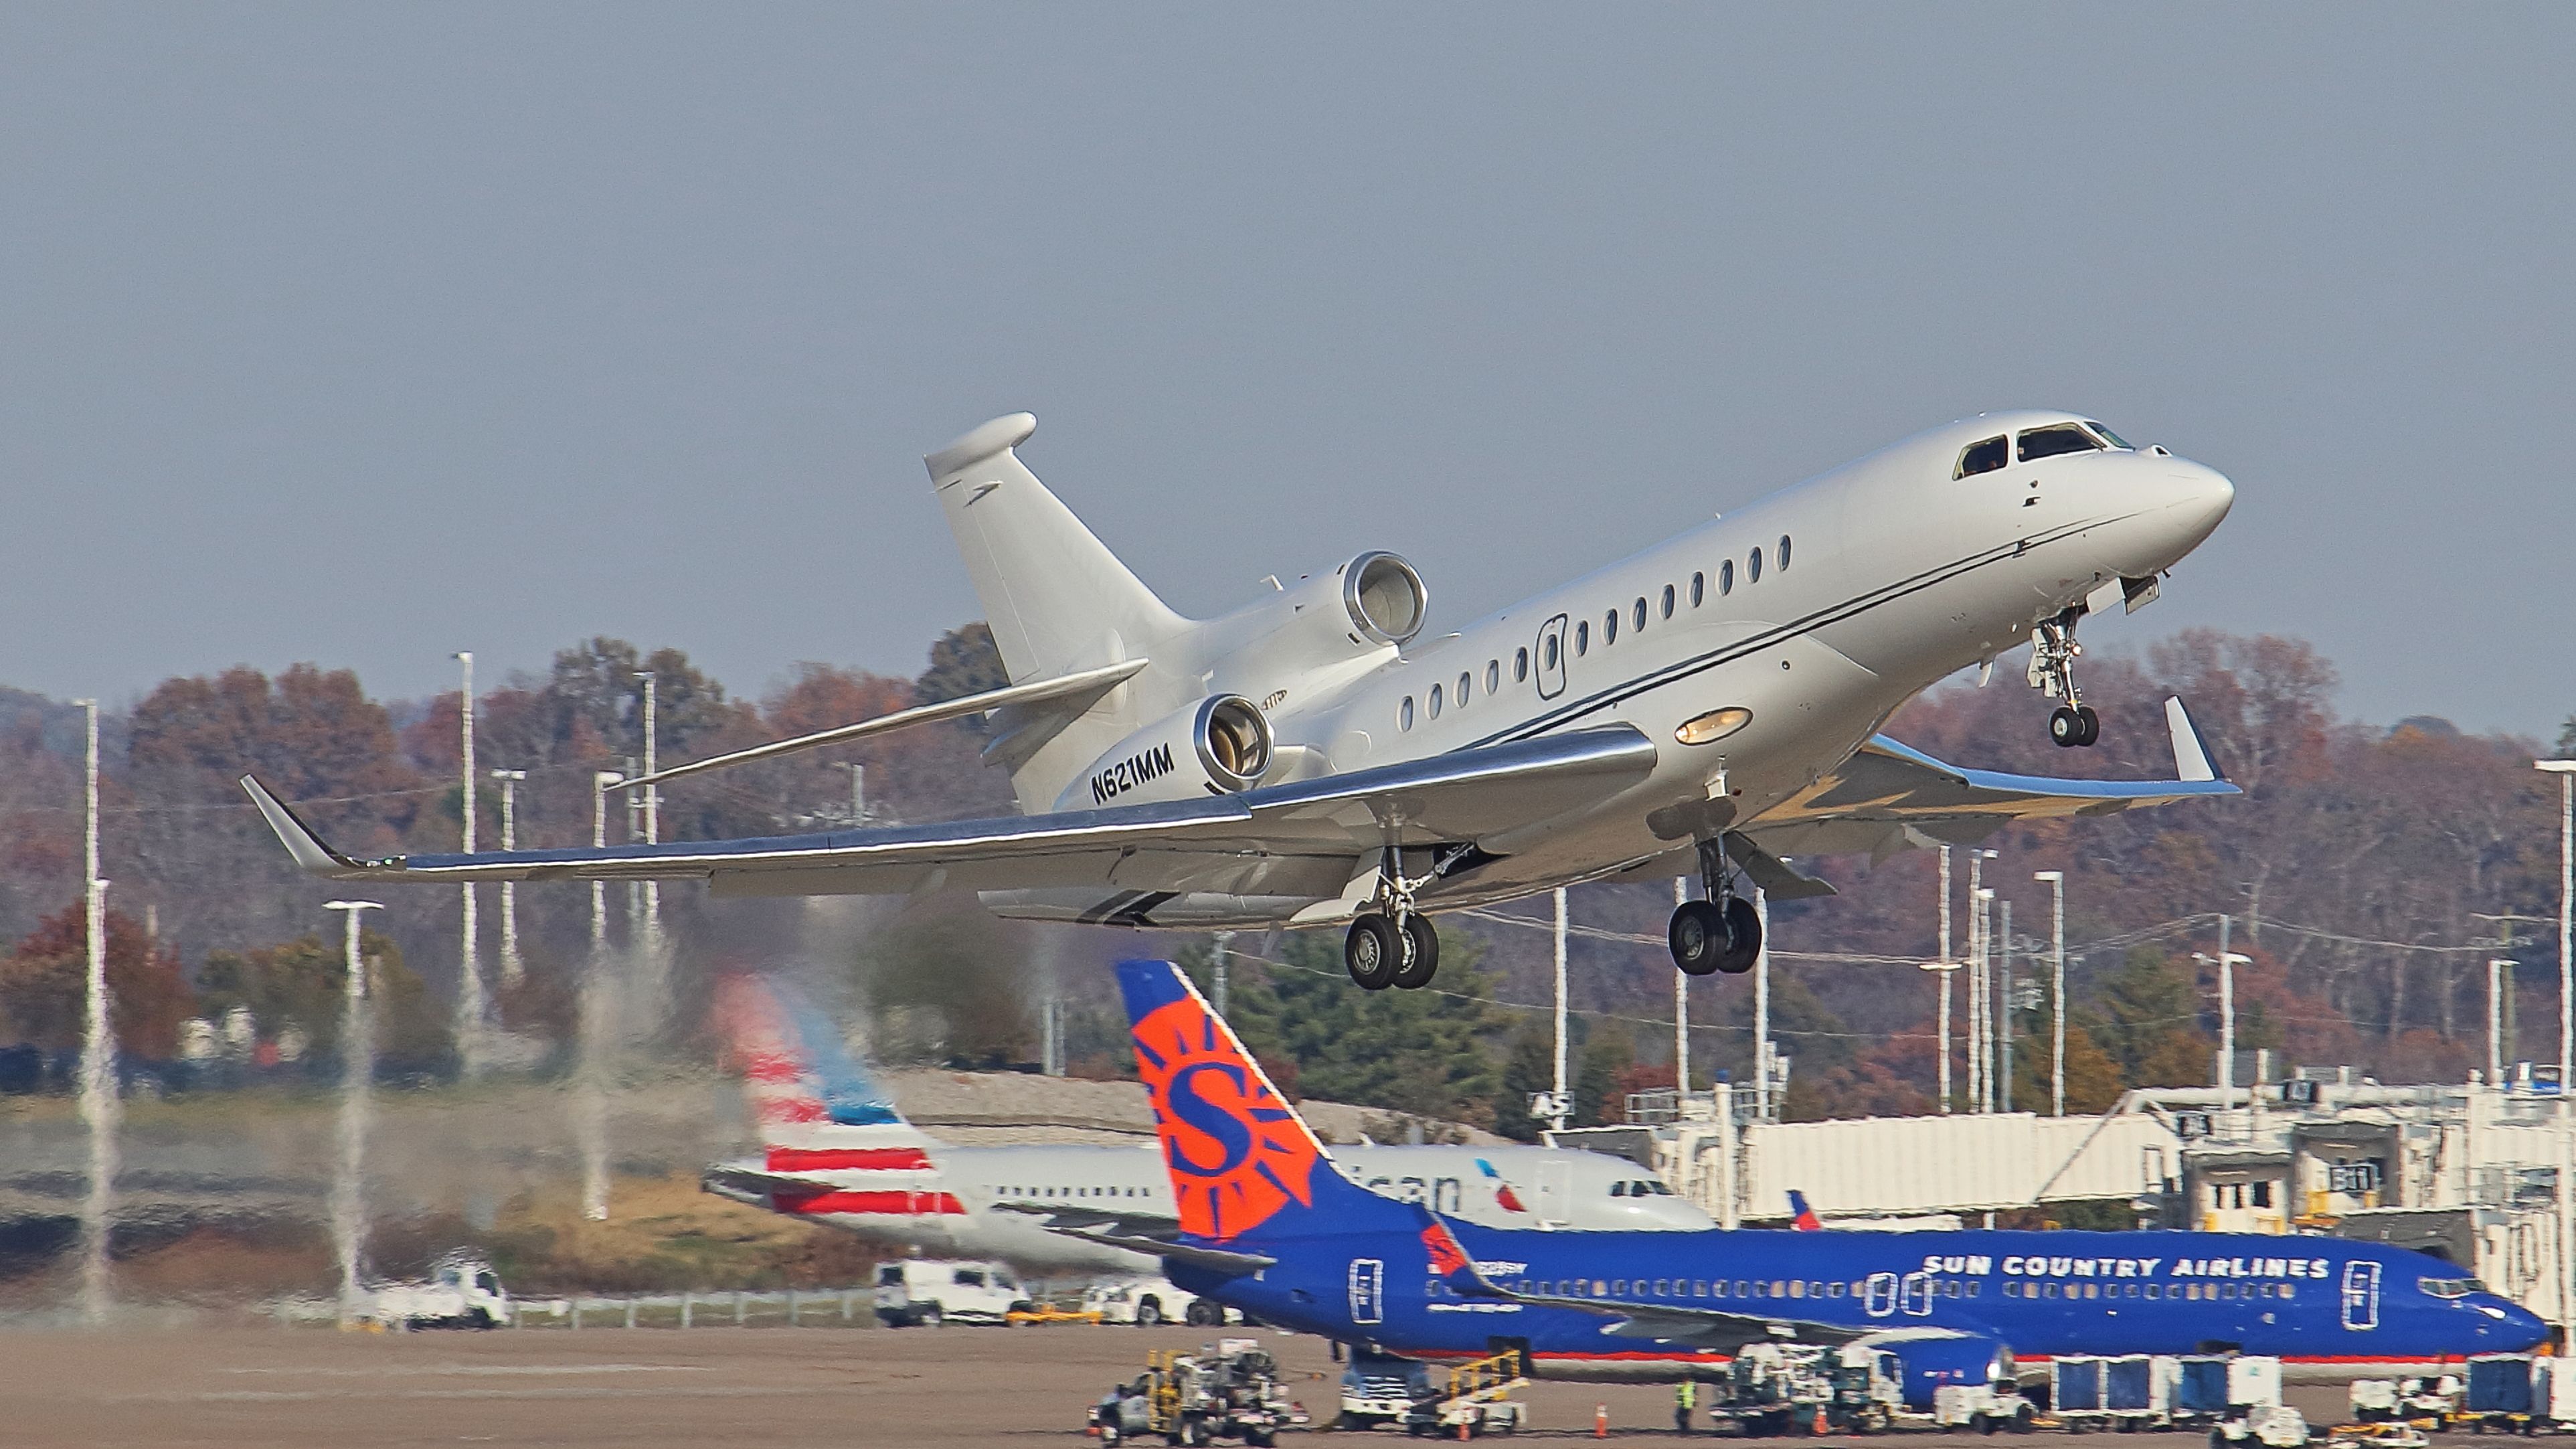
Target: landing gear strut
x=2053, y=652
x=1722, y=933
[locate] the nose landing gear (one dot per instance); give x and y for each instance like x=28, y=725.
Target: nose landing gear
x=1722, y=933
x=2053, y=652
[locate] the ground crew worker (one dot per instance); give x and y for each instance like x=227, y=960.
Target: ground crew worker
x=1685, y=1399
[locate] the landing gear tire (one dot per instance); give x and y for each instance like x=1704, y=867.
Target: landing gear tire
x=2074, y=727
x=1422, y=959
x=1698, y=937
x=1743, y=937
x=1373, y=952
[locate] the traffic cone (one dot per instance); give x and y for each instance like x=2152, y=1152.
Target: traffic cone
x=1600, y=1421
x=1821, y=1428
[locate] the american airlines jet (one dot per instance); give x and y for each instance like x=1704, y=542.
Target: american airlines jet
x=1709, y=706
x=835, y=1150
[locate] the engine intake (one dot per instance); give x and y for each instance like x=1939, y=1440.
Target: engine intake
x=1387, y=600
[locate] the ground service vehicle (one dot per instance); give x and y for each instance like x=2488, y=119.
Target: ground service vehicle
x=1147, y=1302
x=2274, y=1426
x=1229, y=1389
x=924, y=1293
x=1473, y=1396
x=462, y=1292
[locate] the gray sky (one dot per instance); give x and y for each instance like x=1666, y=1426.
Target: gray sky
x=362, y=334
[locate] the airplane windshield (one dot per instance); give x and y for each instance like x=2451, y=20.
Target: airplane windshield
x=2052, y=442
x=2450, y=1287
x=2114, y=439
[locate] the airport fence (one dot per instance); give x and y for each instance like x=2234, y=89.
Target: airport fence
x=791, y=1307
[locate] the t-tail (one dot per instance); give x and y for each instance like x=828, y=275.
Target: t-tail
x=818, y=1112
x=1246, y=1169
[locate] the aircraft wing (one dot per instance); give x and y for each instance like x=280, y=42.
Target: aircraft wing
x=1310, y=830
x=1889, y=796
x=1152, y=1234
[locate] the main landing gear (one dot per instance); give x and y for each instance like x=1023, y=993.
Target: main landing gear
x=1400, y=950
x=1722, y=933
x=2053, y=652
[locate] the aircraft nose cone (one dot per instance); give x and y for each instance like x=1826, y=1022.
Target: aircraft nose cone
x=2202, y=497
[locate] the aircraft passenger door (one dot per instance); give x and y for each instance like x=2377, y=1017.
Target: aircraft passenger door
x=1555, y=1194
x=2360, y=1295
x=1878, y=1295
x=1368, y=1290
x=1917, y=1291
x=1551, y=658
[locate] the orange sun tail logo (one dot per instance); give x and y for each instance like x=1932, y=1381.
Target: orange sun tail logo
x=1239, y=1156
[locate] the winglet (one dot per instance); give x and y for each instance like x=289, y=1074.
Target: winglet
x=2191, y=751
x=299, y=839
x=1802, y=1217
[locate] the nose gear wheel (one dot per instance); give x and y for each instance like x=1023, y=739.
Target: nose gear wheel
x=2053, y=652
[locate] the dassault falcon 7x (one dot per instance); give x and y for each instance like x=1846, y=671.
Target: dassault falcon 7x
x=1707, y=706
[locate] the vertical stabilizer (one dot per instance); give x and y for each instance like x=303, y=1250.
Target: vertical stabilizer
x=816, y=1109
x=1244, y=1165
x=1056, y=597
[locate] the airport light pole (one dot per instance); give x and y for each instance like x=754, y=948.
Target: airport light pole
x=2565, y=770
x=2499, y=971
x=1762, y=1050
x=652, y=809
x=590, y=1101
x=99, y=1107
x=858, y=792
x=1982, y=977
x=469, y=975
x=2002, y=1009
x=357, y=1069
x=1945, y=968
x=2226, y=961
x=1216, y=964
x=1563, y=1102
x=2056, y=880
x=1980, y=1087
x=1681, y=1010
x=512, y=968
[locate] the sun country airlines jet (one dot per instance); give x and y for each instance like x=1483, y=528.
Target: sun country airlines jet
x=835, y=1150
x=1266, y=1225
x=1707, y=706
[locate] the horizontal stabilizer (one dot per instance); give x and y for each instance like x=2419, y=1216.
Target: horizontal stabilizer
x=1073, y=693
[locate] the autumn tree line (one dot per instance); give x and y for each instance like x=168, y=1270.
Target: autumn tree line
x=2369, y=872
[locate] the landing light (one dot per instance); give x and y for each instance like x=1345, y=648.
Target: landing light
x=1715, y=725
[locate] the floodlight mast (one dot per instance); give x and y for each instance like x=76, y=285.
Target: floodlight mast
x=512, y=968
x=357, y=1069
x=2565, y=770
x=2056, y=882
x=99, y=1108
x=469, y=976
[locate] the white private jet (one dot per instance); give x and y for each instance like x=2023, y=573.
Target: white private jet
x=835, y=1149
x=1709, y=704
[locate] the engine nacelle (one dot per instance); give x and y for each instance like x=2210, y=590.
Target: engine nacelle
x=1218, y=746
x=1929, y=1363
x=1371, y=604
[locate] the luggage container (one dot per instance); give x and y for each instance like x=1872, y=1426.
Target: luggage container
x=2500, y=1389
x=2553, y=1390
x=2075, y=1385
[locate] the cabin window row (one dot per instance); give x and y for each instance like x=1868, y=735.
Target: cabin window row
x=2191, y=1292
x=1066, y=1191
x=1443, y=697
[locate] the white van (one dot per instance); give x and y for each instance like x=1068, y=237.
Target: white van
x=1147, y=1302
x=923, y=1293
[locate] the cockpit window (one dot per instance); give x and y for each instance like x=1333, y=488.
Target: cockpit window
x=2053, y=442
x=2450, y=1287
x=2114, y=439
x=1983, y=457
